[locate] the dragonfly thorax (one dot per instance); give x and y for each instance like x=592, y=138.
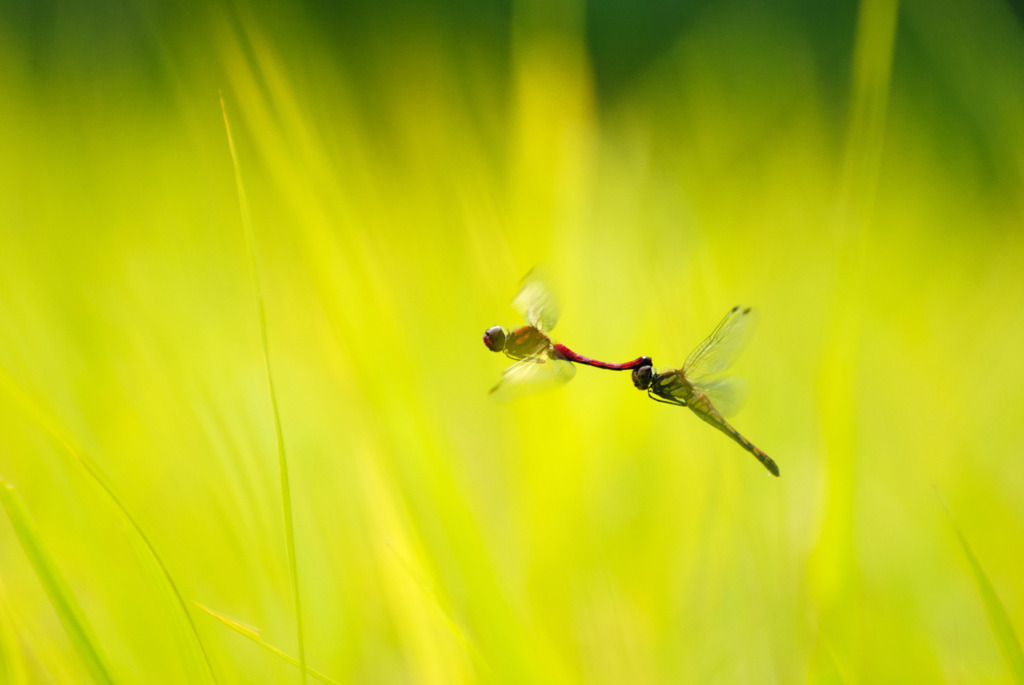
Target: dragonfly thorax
x=518, y=344
x=525, y=341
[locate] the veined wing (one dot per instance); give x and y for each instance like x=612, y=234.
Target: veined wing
x=532, y=375
x=725, y=394
x=536, y=304
x=718, y=352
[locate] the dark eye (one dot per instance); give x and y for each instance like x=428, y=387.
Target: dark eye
x=642, y=376
x=494, y=338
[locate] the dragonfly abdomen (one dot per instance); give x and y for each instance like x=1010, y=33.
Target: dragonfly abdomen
x=566, y=353
x=702, y=407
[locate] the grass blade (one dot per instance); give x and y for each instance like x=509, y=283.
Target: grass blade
x=997, y=615
x=56, y=587
x=282, y=462
x=1000, y=620
x=53, y=429
x=254, y=635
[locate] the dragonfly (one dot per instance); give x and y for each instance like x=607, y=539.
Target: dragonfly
x=539, y=362
x=700, y=385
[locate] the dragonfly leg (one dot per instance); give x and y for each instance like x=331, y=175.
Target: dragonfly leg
x=664, y=400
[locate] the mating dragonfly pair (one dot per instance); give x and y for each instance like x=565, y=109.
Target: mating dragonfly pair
x=698, y=385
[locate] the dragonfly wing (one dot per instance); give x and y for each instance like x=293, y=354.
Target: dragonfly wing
x=725, y=394
x=532, y=375
x=718, y=352
x=536, y=304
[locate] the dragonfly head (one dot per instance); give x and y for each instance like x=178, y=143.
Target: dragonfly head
x=643, y=374
x=494, y=338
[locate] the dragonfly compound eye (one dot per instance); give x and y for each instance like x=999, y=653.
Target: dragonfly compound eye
x=642, y=376
x=494, y=338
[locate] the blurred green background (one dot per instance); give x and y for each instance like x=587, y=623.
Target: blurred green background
x=855, y=171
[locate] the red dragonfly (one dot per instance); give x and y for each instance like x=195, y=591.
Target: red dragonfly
x=699, y=385
x=540, y=363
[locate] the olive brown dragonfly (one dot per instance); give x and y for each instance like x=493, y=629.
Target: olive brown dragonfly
x=700, y=386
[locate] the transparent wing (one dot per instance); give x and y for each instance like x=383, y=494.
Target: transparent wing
x=532, y=375
x=718, y=352
x=726, y=394
x=536, y=304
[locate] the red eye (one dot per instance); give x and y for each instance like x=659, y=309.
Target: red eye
x=494, y=338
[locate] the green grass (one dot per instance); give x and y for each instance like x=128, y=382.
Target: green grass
x=254, y=635
x=57, y=589
x=401, y=174
x=1002, y=626
x=45, y=569
x=282, y=461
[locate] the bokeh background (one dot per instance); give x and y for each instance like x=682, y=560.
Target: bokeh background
x=854, y=170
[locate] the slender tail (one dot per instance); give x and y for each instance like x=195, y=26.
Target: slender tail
x=716, y=420
x=580, y=359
